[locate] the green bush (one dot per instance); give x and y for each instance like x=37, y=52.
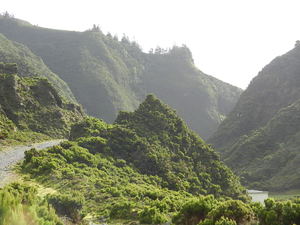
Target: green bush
x=123, y=210
x=18, y=202
x=152, y=215
x=67, y=205
x=195, y=210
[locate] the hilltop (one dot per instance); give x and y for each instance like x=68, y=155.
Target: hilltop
x=143, y=166
x=106, y=74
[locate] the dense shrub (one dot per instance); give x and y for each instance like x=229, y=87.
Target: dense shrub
x=67, y=205
x=18, y=202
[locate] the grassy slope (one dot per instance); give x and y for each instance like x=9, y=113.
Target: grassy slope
x=107, y=75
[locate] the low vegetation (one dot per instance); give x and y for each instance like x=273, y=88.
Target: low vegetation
x=126, y=171
x=19, y=205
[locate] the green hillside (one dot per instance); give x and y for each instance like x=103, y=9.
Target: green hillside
x=260, y=137
x=32, y=104
x=107, y=75
x=147, y=163
x=31, y=65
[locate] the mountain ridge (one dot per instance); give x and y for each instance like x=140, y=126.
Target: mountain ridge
x=32, y=104
x=257, y=140
x=107, y=75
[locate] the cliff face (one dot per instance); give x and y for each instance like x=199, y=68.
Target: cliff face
x=31, y=65
x=107, y=75
x=258, y=137
x=33, y=104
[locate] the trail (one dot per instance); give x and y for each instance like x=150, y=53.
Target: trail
x=12, y=155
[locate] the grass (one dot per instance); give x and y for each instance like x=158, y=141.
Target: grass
x=285, y=195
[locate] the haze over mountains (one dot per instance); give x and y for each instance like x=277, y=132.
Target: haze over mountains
x=107, y=75
x=143, y=164
x=259, y=139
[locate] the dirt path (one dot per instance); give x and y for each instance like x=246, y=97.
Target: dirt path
x=11, y=156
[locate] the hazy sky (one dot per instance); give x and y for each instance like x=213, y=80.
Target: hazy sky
x=231, y=40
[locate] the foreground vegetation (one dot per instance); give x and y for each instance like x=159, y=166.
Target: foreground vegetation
x=146, y=168
x=143, y=167
x=19, y=205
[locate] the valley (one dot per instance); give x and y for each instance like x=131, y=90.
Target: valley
x=93, y=130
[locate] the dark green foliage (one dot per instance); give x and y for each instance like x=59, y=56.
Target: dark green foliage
x=127, y=170
x=123, y=210
x=108, y=188
x=152, y=215
x=232, y=209
x=89, y=127
x=278, y=213
x=32, y=104
x=107, y=75
x=19, y=205
x=209, y=211
x=67, y=205
x=260, y=139
x=194, y=211
x=157, y=142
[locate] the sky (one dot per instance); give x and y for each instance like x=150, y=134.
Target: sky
x=231, y=40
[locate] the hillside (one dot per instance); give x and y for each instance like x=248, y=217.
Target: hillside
x=259, y=137
x=32, y=104
x=31, y=65
x=107, y=75
x=147, y=162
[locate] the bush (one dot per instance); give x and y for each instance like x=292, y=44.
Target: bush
x=67, y=205
x=122, y=210
x=232, y=209
x=195, y=210
x=151, y=215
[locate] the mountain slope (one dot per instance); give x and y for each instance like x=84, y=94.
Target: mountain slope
x=146, y=163
x=32, y=104
x=107, y=75
x=30, y=65
x=259, y=137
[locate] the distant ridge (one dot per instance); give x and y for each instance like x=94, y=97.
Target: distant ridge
x=107, y=75
x=259, y=139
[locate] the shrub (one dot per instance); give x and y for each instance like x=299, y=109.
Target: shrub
x=67, y=205
x=151, y=215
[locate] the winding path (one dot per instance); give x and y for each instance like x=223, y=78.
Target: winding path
x=12, y=155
